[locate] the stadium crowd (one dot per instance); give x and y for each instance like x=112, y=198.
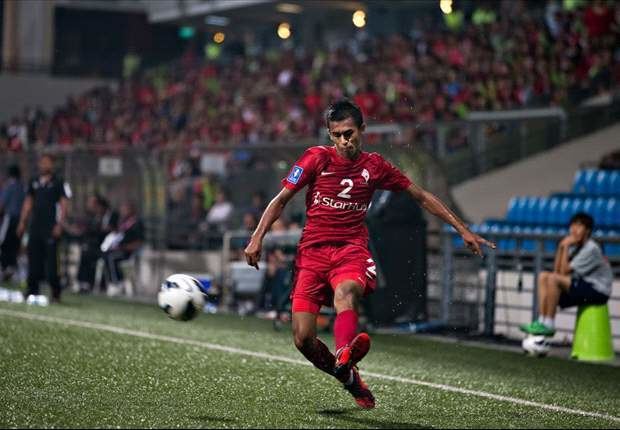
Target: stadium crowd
x=508, y=57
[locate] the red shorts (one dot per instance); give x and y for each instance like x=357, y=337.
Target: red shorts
x=319, y=269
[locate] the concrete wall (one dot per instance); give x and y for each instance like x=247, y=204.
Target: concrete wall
x=19, y=91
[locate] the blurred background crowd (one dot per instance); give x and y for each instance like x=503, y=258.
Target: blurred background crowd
x=501, y=55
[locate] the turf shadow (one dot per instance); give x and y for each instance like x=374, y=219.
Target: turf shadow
x=355, y=416
x=213, y=419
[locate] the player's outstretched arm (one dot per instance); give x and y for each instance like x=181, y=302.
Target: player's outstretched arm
x=272, y=213
x=434, y=205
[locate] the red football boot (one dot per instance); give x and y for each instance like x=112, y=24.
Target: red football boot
x=349, y=355
x=360, y=392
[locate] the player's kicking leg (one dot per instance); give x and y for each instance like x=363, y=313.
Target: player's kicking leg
x=350, y=346
x=304, y=335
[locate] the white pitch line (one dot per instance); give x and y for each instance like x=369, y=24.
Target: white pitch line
x=239, y=351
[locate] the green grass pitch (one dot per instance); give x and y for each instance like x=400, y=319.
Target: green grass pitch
x=118, y=364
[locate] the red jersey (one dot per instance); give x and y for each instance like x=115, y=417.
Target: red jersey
x=339, y=193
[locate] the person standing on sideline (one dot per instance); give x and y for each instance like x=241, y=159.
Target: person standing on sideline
x=47, y=200
x=11, y=200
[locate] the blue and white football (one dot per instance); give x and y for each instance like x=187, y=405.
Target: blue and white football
x=181, y=297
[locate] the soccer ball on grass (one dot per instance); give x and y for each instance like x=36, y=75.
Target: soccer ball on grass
x=181, y=297
x=537, y=346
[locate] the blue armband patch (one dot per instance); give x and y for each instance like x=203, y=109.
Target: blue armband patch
x=295, y=174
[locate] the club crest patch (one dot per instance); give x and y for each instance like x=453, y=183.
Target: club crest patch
x=365, y=175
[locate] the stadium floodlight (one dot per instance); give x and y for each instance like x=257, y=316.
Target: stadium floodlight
x=359, y=18
x=284, y=30
x=219, y=37
x=289, y=8
x=445, y=6
x=220, y=21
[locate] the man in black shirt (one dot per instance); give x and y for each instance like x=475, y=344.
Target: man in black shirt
x=120, y=245
x=47, y=200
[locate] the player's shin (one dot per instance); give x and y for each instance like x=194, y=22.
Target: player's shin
x=318, y=354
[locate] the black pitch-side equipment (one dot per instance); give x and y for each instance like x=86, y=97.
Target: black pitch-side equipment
x=398, y=244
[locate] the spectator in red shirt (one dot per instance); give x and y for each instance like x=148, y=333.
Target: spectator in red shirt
x=598, y=19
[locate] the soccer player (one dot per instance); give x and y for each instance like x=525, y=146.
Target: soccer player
x=333, y=265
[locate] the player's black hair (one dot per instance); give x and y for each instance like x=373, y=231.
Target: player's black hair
x=13, y=171
x=343, y=109
x=583, y=218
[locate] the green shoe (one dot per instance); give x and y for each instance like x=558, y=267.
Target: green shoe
x=526, y=328
x=537, y=328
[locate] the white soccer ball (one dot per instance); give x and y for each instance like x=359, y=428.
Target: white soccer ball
x=36, y=300
x=537, y=346
x=181, y=297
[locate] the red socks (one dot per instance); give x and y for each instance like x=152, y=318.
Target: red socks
x=345, y=328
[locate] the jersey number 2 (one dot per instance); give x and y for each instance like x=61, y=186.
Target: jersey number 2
x=344, y=193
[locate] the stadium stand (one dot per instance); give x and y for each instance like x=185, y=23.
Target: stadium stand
x=596, y=192
x=519, y=58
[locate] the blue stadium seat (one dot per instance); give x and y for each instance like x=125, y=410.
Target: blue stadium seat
x=595, y=192
x=528, y=244
x=576, y=206
x=518, y=213
x=579, y=181
x=531, y=208
x=600, y=183
x=611, y=216
x=541, y=214
x=588, y=205
x=511, y=212
x=564, y=212
x=583, y=181
x=553, y=211
x=598, y=211
x=590, y=181
x=597, y=182
x=614, y=182
x=507, y=244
